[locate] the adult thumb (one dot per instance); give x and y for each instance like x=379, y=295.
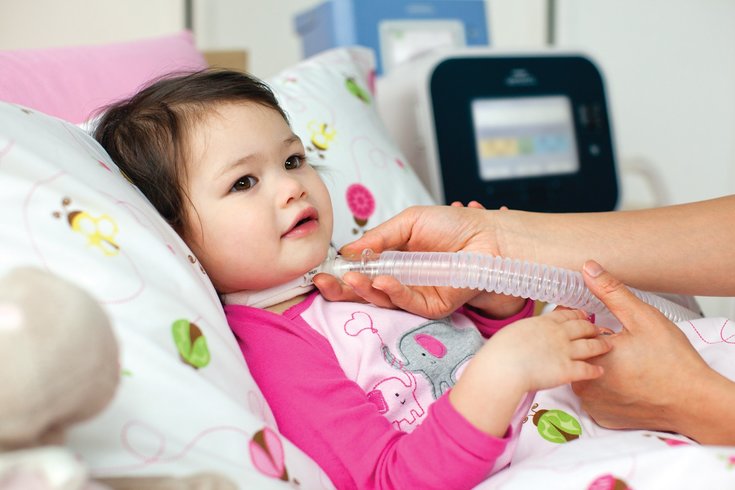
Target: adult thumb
x=391, y=234
x=621, y=302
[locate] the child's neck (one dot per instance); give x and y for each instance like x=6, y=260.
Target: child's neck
x=274, y=297
x=270, y=297
x=284, y=305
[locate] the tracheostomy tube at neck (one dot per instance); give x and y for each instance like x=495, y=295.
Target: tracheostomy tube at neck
x=490, y=273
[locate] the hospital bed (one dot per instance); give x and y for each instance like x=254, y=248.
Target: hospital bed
x=175, y=417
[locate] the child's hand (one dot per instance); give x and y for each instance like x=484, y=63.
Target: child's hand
x=548, y=350
x=531, y=354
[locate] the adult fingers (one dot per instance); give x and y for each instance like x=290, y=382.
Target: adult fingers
x=334, y=290
x=362, y=285
x=391, y=234
x=619, y=300
x=402, y=296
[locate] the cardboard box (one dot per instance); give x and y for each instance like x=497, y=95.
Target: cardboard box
x=233, y=59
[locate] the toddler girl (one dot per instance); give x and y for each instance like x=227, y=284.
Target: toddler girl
x=373, y=395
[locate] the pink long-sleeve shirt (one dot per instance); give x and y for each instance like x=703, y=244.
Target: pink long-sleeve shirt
x=363, y=390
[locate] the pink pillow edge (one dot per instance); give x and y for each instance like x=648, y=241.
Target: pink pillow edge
x=72, y=82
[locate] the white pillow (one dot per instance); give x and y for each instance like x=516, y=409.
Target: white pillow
x=66, y=208
x=329, y=99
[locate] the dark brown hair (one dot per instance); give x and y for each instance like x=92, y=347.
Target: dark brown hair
x=146, y=135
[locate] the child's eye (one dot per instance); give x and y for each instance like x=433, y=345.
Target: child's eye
x=244, y=183
x=294, y=161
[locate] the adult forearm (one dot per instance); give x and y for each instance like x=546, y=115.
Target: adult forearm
x=705, y=414
x=684, y=248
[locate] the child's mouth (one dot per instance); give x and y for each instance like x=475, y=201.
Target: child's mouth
x=306, y=223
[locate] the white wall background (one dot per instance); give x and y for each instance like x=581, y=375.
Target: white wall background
x=45, y=23
x=669, y=66
x=671, y=83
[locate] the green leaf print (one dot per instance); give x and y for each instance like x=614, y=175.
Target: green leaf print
x=190, y=343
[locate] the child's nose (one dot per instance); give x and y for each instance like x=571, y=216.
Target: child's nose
x=292, y=189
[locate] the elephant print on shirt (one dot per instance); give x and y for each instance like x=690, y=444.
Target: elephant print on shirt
x=394, y=396
x=396, y=399
x=436, y=349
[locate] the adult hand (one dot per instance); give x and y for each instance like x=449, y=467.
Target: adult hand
x=422, y=228
x=652, y=371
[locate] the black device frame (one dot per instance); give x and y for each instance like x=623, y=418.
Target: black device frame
x=456, y=82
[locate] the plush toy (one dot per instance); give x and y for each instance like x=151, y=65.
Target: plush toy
x=60, y=365
x=60, y=362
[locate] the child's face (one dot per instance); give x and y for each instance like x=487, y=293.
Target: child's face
x=259, y=214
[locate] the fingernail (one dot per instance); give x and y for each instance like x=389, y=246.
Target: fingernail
x=593, y=268
x=591, y=318
x=346, y=254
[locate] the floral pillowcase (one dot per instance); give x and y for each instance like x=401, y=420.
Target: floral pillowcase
x=330, y=102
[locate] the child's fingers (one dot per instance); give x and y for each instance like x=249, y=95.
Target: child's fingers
x=582, y=370
x=580, y=329
x=564, y=315
x=588, y=348
x=457, y=204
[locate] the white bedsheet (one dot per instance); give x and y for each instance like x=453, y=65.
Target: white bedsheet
x=600, y=459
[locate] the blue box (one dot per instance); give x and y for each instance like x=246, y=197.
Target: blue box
x=394, y=29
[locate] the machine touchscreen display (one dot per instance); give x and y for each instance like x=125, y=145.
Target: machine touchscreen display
x=524, y=137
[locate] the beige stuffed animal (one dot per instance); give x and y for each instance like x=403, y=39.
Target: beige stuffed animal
x=60, y=363
x=60, y=366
